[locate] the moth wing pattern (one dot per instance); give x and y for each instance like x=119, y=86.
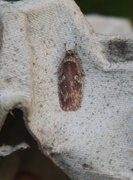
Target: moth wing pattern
x=70, y=82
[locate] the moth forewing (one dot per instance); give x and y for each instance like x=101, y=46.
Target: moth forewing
x=70, y=82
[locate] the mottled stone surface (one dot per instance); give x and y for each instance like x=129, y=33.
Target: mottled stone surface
x=95, y=142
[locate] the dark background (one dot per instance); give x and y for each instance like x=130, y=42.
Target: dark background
x=118, y=8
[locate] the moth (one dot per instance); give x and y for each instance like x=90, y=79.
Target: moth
x=70, y=85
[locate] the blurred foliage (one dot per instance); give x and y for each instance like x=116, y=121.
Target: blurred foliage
x=121, y=8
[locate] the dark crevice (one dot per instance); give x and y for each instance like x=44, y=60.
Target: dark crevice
x=31, y=161
x=14, y=130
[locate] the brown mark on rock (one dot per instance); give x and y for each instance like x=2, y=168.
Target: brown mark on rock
x=70, y=82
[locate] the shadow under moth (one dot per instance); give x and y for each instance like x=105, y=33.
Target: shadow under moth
x=70, y=82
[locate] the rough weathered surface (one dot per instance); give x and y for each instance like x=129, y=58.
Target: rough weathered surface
x=95, y=142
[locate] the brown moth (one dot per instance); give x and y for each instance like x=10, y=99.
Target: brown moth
x=70, y=82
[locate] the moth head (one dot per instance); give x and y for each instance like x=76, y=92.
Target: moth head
x=70, y=53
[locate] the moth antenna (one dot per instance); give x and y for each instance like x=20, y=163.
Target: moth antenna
x=65, y=46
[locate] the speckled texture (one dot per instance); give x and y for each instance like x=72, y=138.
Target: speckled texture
x=95, y=142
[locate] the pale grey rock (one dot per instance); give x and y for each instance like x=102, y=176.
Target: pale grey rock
x=5, y=150
x=108, y=25
x=95, y=142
